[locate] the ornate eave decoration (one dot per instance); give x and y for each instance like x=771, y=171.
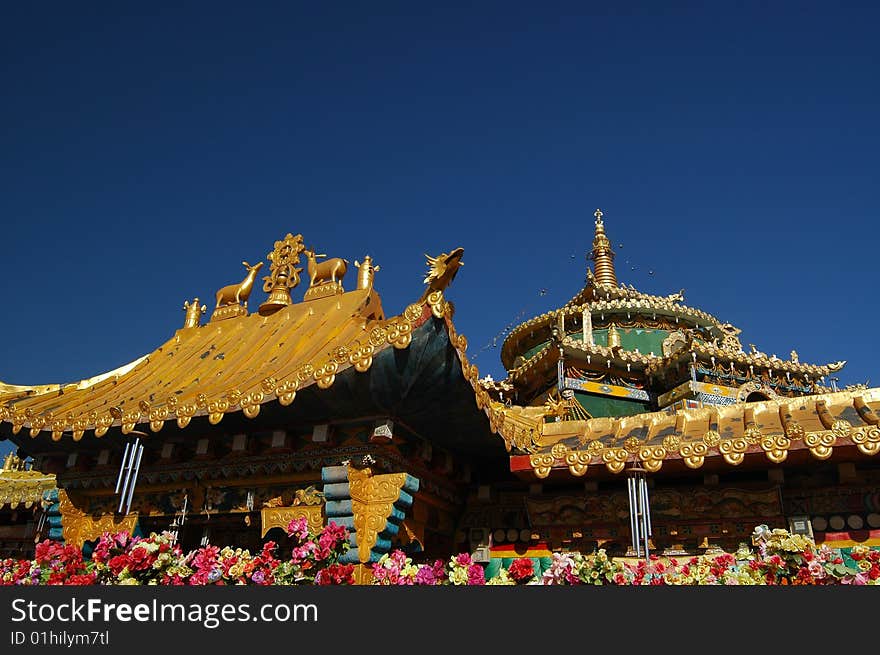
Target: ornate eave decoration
x=774, y=428
x=20, y=486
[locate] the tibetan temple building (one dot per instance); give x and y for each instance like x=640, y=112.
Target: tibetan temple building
x=626, y=421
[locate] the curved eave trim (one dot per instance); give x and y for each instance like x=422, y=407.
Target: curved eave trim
x=705, y=352
x=639, y=304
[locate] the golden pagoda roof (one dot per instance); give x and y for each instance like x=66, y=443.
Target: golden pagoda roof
x=21, y=486
x=603, y=295
x=774, y=428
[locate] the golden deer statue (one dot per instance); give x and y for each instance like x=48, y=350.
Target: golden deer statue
x=332, y=270
x=232, y=294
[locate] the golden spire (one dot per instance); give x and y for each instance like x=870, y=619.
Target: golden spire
x=602, y=255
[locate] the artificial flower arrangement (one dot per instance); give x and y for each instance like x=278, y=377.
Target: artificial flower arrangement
x=779, y=558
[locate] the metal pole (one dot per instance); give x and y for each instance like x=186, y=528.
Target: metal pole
x=122, y=466
x=137, y=467
x=643, y=502
x=124, y=490
x=632, y=513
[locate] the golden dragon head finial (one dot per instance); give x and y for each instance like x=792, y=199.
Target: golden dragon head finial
x=442, y=270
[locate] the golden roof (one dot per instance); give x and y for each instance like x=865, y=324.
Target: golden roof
x=236, y=364
x=240, y=361
x=818, y=424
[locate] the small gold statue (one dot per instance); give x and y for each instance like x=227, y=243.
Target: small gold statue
x=193, y=313
x=332, y=270
x=233, y=294
x=366, y=273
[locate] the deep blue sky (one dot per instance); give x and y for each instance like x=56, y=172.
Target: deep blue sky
x=145, y=151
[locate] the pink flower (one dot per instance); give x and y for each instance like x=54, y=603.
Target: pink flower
x=476, y=575
x=298, y=528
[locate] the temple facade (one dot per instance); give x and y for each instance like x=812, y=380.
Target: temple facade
x=626, y=421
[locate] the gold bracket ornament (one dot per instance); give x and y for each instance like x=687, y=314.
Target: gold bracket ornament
x=79, y=527
x=280, y=517
x=284, y=274
x=373, y=499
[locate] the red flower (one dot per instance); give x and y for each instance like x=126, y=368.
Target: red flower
x=522, y=569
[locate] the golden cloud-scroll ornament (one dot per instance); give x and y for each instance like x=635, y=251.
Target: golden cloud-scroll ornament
x=250, y=403
x=867, y=440
x=578, y=462
x=541, y=464
x=37, y=424
x=733, y=450
x=361, y=357
x=615, y=459
x=185, y=412
x=103, y=424
x=286, y=392
x=325, y=375
x=79, y=427
x=821, y=443
x=217, y=408
x=130, y=419
x=694, y=454
x=652, y=457
x=776, y=448
x=305, y=373
x=399, y=334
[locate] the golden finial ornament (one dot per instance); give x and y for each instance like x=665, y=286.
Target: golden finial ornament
x=193, y=313
x=794, y=356
x=602, y=255
x=284, y=274
x=366, y=272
